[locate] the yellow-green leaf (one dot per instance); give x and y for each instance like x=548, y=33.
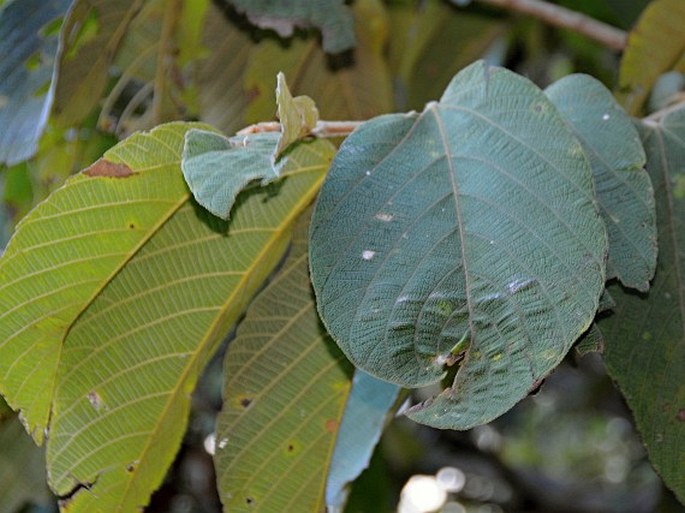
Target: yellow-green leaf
x=656, y=45
x=127, y=286
x=298, y=116
x=65, y=251
x=287, y=384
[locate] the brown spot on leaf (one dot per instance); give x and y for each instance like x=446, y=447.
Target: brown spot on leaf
x=245, y=402
x=249, y=501
x=291, y=447
x=252, y=94
x=681, y=415
x=108, y=169
x=331, y=425
x=95, y=400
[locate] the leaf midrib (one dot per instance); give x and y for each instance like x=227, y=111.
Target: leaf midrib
x=212, y=330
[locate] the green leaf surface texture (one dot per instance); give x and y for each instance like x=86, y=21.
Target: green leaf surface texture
x=470, y=227
x=90, y=39
x=217, y=168
x=65, y=251
x=357, y=90
x=132, y=361
x=28, y=51
x=332, y=17
x=645, y=338
x=365, y=414
x=286, y=390
x=127, y=287
x=656, y=45
x=624, y=190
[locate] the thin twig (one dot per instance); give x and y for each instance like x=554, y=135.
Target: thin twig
x=562, y=17
x=656, y=117
x=322, y=128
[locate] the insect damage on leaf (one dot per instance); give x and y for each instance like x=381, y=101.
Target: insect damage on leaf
x=108, y=169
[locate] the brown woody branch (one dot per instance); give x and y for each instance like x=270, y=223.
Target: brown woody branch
x=565, y=18
x=322, y=128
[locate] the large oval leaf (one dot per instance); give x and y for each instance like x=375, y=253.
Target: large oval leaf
x=645, y=338
x=470, y=223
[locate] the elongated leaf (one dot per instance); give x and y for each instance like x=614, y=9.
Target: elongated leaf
x=91, y=36
x=624, y=191
x=472, y=223
x=362, y=424
x=131, y=361
x=357, y=90
x=333, y=17
x=126, y=289
x=645, y=339
x=656, y=45
x=65, y=252
x=217, y=168
x=22, y=469
x=287, y=384
x=28, y=46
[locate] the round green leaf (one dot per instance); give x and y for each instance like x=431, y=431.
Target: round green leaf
x=468, y=230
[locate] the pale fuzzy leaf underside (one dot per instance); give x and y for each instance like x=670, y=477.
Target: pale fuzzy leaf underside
x=624, y=190
x=469, y=228
x=217, y=168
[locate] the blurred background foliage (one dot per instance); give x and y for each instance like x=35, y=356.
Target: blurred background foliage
x=127, y=65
